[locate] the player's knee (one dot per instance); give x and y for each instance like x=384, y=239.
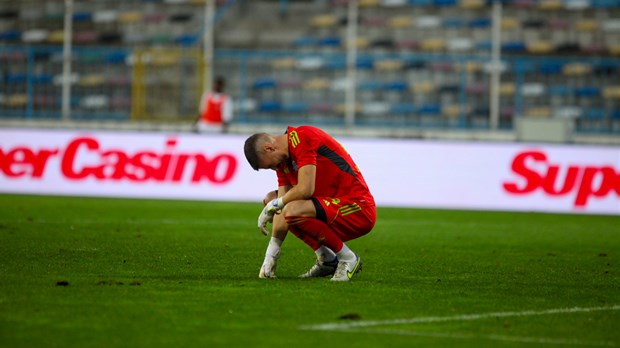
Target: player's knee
x=297, y=208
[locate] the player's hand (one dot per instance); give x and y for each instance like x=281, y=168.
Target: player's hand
x=267, y=214
x=268, y=269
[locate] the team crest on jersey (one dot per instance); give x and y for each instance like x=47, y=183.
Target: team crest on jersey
x=294, y=138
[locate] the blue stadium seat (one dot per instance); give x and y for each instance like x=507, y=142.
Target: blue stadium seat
x=588, y=91
x=420, y=2
x=414, y=65
x=187, y=40
x=264, y=83
x=10, y=35
x=514, y=47
x=44, y=79
x=15, y=78
x=396, y=86
x=444, y=2
x=330, y=41
x=295, y=107
x=269, y=106
x=365, y=63
x=480, y=23
x=616, y=114
x=595, y=113
x=605, y=4
x=82, y=16
x=550, y=68
x=115, y=57
x=430, y=110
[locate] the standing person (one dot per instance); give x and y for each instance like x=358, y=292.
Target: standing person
x=215, y=109
x=322, y=196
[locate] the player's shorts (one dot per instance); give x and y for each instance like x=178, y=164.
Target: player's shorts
x=349, y=219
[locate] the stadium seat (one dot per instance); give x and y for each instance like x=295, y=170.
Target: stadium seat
x=400, y=21
x=85, y=37
x=568, y=112
x=476, y=89
x=550, y=5
x=383, y=43
x=611, y=92
x=587, y=25
x=56, y=37
x=439, y=3
x=587, y=92
x=10, y=35
x=370, y=85
x=453, y=23
x=480, y=23
x=407, y=44
x=264, y=83
x=424, y=87
x=317, y=83
x=245, y=105
x=324, y=21
x=429, y=110
x=309, y=63
x=433, y=45
x=97, y=101
x=130, y=17
x=533, y=89
x=386, y=65
x=539, y=47
x=514, y=47
x=595, y=114
x=18, y=100
x=105, y=16
x=560, y=90
x=538, y=112
x=295, y=107
x=286, y=63
x=323, y=107
x=269, y=106
x=449, y=89
x=550, y=68
x=611, y=25
x=509, y=23
x=402, y=109
x=330, y=41
x=576, y=69
x=460, y=44
x=375, y=108
x=559, y=24
x=427, y=22
x=289, y=84
x=576, y=5
x=15, y=78
x=451, y=111
x=35, y=35
x=92, y=80
x=82, y=16
x=507, y=89
x=364, y=63
x=471, y=4
x=396, y=86
x=180, y=18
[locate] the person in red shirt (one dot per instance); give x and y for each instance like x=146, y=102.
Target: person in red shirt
x=215, y=110
x=322, y=198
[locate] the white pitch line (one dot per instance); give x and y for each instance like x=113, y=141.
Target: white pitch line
x=465, y=317
x=520, y=339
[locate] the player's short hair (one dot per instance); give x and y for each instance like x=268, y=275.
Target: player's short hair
x=251, y=148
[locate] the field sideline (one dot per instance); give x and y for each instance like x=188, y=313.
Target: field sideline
x=101, y=272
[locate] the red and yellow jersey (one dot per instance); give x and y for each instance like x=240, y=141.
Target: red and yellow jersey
x=337, y=175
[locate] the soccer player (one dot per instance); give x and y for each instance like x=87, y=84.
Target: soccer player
x=322, y=198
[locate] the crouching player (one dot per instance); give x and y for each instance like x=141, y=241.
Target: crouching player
x=322, y=198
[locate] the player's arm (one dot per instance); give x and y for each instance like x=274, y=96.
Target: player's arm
x=304, y=189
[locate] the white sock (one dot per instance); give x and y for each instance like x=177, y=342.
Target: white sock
x=345, y=254
x=325, y=254
x=273, y=249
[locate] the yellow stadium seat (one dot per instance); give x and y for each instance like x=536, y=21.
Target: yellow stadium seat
x=614, y=50
x=388, y=65
x=550, y=5
x=283, y=63
x=576, y=69
x=323, y=21
x=16, y=100
x=451, y=111
x=341, y=108
x=539, y=112
x=92, y=80
x=587, y=25
x=539, y=47
x=130, y=17
x=401, y=22
x=433, y=45
x=509, y=23
x=507, y=89
x=368, y=3
x=471, y=4
x=56, y=36
x=424, y=87
x=317, y=84
x=611, y=92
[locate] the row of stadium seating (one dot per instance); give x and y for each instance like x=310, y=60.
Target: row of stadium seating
x=534, y=27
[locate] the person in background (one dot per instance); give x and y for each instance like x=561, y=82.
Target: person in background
x=215, y=109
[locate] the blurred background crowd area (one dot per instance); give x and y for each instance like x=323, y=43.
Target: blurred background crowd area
x=420, y=64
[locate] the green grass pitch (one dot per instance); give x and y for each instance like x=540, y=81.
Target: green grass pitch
x=93, y=272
